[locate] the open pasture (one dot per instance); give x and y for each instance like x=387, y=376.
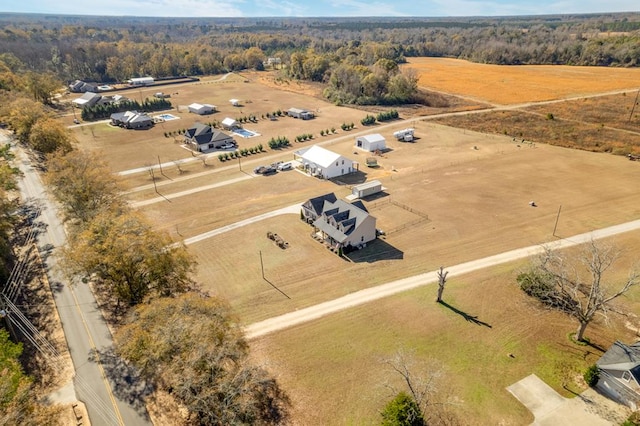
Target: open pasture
x=517, y=84
x=477, y=201
x=347, y=350
x=475, y=188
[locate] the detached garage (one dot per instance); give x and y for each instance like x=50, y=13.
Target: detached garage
x=366, y=189
x=230, y=124
x=371, y=143
x=201, y=109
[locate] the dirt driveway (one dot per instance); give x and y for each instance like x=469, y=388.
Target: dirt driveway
x=552, y=409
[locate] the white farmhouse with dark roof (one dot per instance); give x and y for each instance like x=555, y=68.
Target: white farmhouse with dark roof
x=323, y=163
x=339, y=224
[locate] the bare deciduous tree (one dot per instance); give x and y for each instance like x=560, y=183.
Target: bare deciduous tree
x=576, y=285
x=424, y=384
x=442, y=280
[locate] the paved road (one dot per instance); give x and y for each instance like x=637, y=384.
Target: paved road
x=82, y=322
x=371, y=294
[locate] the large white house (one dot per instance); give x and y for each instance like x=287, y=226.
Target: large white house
x=323, y=163
x=340, y=224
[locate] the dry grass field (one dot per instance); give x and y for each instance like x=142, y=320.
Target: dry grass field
x=475, y=188
x=507, y=85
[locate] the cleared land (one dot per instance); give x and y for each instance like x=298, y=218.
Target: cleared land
x=475, y=189
x=516, y=84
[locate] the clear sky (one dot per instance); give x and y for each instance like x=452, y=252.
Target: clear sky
x=305, y=8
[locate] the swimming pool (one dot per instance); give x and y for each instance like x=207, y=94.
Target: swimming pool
x=245, y=133
x=167, y=117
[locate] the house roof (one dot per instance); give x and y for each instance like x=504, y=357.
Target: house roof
x=297, y=110
x=316, y=203
x=229, y=122
x=130, y=117
x=87, y=98
x=339, y=219
x=198, y=129
x=215, y=136
x=367, y=185
x=622, y=357
x=320, y=156
x=196, y=105
x=374, y=137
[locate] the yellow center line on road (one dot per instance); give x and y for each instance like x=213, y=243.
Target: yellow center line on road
x=98, y=361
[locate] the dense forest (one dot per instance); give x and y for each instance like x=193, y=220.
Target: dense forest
x=356, y=57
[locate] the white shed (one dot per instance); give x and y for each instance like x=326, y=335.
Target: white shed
x=324, y=163
x=371, y=143
x=141, y=81
x=201, y=109
x=234, y=102
x=366, y=189
x=230, y=123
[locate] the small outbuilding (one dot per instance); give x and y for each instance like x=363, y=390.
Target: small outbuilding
x=373, y=142
x=88, y=99
x=300, y=113
x=366, y=189
x=202, y=109
x=235, y=102
x=230, y=124
x=141, y=81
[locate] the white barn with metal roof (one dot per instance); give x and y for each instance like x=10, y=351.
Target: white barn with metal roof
x=323, y=163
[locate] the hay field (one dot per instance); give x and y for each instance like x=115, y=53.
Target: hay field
x=516, y=84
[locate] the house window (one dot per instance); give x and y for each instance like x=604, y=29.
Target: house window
x=362, y=238
x=626, y=376
x=336, y=163
x=342, y=161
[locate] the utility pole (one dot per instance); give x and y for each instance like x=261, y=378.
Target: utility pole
x=557, y=218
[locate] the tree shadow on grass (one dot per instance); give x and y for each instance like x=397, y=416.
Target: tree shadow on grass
x=469, y=318
x=126, y=382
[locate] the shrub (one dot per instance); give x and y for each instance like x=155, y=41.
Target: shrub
x=402, y=411
x=333, y=130
x=550, y=116
x=542, y=288
x=221, y=157
x=368, y=120
x=632, y=420
x=592, y=375
x=321, y=132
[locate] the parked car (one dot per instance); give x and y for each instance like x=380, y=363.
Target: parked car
x=269, y=171
x=227, y=146
x=284, y=166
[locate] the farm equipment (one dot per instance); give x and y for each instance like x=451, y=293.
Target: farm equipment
x=634, y=157
x=278, y=240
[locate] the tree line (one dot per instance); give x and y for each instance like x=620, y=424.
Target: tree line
x=356, y=57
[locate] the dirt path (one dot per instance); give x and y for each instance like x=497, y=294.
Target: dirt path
x=371, y=294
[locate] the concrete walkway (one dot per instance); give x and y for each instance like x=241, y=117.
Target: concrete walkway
x=549, y=408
